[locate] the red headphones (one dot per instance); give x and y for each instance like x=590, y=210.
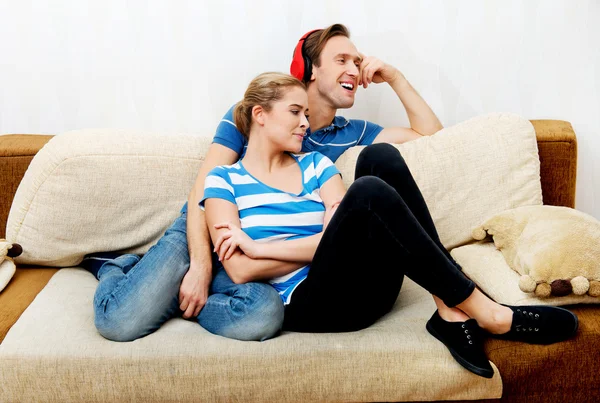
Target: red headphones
x=301, y=66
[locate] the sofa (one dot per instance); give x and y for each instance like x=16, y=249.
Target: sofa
x=51, y=352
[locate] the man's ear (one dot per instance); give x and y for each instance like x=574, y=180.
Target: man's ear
x=258, y=114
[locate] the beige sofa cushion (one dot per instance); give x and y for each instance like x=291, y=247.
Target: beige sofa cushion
x=486, y=266
x=470, y=171
x=102, y=190
x=114, y=190
x=393, y=360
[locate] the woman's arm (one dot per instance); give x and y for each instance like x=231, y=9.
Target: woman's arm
x=303, y=250
x=297, y=250
x=332, y=192
x=240, y=267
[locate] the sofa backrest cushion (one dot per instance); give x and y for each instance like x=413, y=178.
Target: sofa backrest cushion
x=470, y=171
x=114, y=190
x=102, y=190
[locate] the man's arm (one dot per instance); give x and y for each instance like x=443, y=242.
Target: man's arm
x=195, y=284
x=423, y=122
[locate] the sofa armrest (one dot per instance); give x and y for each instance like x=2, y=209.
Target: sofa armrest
x=16, y=152
x=557, y=145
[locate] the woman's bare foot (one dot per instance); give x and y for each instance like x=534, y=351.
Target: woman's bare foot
x=449, y=314
x=491, y=316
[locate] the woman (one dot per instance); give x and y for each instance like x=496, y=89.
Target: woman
x=284, y=217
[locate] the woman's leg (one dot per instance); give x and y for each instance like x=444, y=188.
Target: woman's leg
x=385, y=162
x=370, y=243
x=136, y=295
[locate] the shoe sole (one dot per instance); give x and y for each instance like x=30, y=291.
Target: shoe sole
x=574, y=331
x=457, y=357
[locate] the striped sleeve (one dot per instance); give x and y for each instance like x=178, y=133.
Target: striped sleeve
x=217, y=185
x=324, y=168
x=228, y=135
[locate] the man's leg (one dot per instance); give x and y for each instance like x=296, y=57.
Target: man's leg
x=135, y=296
x=251, y=311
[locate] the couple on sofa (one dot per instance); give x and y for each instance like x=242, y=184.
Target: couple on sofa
x=293, y=249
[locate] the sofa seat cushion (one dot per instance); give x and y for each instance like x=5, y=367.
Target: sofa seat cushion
x=19, y=292
x=487, y=267
x=393, y=360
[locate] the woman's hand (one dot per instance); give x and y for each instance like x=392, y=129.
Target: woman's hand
x=232, y=239
x=329, y=213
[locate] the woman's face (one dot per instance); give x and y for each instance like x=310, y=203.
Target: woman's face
x=286, y=123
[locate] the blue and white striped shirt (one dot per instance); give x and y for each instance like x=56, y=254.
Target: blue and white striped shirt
x=268, y=214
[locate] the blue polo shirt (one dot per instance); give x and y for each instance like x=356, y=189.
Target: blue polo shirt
x=330, y=141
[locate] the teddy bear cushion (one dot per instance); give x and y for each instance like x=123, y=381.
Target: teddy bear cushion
x=7, y=265
x=7, y=270
x=554, y=250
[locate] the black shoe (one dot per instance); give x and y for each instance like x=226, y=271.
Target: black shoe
x=539, y=324
x=464, y=340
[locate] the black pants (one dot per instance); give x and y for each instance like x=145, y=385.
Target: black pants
x=381, y=231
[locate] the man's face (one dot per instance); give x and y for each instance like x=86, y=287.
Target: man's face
x=337, y=76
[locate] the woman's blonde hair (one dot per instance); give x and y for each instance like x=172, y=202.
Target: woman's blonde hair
x=264, y=90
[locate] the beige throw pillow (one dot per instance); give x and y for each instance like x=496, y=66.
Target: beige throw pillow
x=102, y=190
x=469, y=171
x=556, y=250
x=116, y=190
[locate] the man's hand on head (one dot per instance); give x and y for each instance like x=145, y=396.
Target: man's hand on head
x=374, y=70
x=193, y=292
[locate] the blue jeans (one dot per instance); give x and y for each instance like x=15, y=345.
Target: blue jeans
x=136, y=295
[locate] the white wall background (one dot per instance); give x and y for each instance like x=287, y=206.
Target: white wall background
x=179, y=65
